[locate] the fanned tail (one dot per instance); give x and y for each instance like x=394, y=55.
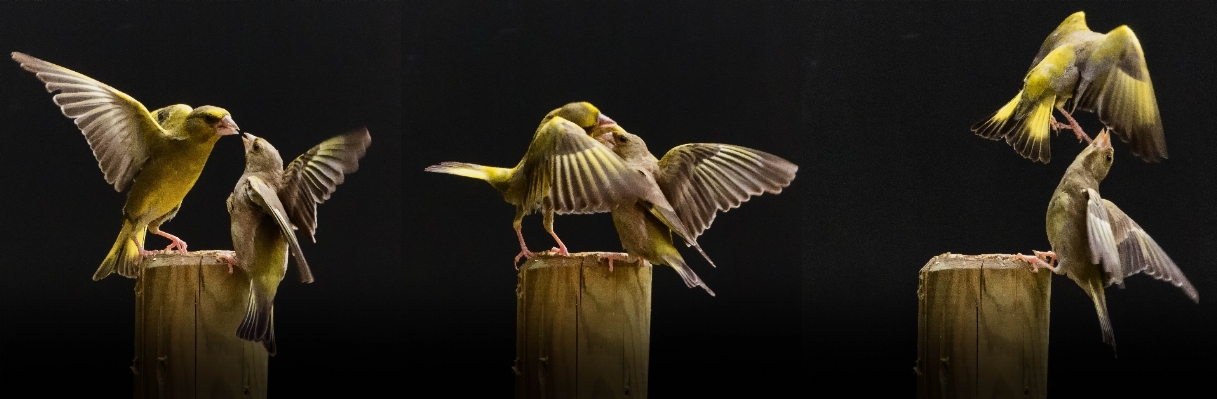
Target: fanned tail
x=258, y=324
x=1026, y=131
x=124, y=256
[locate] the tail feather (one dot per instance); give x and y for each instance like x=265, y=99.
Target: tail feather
x=691, y=279
x=463, y=169
x=1095, y=291
x=124, y=256
x=258, y=324
x=1027, y=131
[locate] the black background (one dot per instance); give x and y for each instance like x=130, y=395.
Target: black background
x=872, y=100
x=293, y=75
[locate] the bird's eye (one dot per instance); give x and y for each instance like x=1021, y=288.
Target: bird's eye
x=211, y=118
x=620, y=138
x=1108, y=157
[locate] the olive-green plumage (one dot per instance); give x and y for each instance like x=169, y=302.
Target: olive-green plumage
x=266, y=207
x=562, y=161
x=1102, y=73
x=1094, y=242
x=684, y=191
x=157, y=155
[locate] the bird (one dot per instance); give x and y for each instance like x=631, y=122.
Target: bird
x=1095, y=243
x=590, y=172
x=685, y=190
x=266, y=208
x=1083, y=70
x=156, y=155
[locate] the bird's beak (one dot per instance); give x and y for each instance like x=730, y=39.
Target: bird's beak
x=604, y=120
x=227, y=126
x=1103, y=140
x=248, y=139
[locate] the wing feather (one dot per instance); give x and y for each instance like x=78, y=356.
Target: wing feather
x=701, y=179
x=264, y=195
x=1139, y=253
x=313, y=176
x=1114, y=83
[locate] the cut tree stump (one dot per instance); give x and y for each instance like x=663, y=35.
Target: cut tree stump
x=187, y=309
x=982, y=328
x=582, y=331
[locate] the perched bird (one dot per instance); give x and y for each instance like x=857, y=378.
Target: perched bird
x=562, y=159
x=158, y=155
x=269, y=204
x=684, y=191
x=1094, y=242
x=1086, y=70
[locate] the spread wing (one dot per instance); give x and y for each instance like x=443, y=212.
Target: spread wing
x=702, y=179
x=313, y=176
x=116, y=126
x=1103, y=248
x=570, y=172
x=1115, y=85
x=1139, y=253
x=264, y=195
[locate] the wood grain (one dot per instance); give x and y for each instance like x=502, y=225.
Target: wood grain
x=187, y=309
x=982, y=328
x=582, y=331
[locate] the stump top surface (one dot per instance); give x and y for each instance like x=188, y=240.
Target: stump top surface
x=192, y=258
x=949, y=261
x=552, y=259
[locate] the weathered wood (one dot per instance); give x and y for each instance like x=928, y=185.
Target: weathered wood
x=187, y=309
x=982, y=328
x=581, y=330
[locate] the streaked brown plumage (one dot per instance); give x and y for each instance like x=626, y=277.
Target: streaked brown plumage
x=266, y=207
x=684, y=192
x=1094, y=242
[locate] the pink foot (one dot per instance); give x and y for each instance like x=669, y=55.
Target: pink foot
x=227, y=259
x=1073, y=125
x=176, y=242
x=524, y=253
x=611, y=256
x=146, y=253
x=1036, y=262
x=561, y=249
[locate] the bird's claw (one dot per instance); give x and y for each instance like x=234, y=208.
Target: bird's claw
x=175, y=243
x=611, y=257
x=227, y=259
x=1036, y=261
x=524, y=253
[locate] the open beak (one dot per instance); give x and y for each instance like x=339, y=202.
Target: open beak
x=1103, y=140
x=604, y=120
x=248, y=139
x=227, y=126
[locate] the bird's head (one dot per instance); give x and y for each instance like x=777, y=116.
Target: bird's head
x=208, y=121
x=260, y=155
x=582, y=113
x=625, y=144
x=1097, y=157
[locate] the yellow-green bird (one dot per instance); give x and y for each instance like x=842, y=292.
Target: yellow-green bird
x=558, y=142
x=158, y=155
x=684, y=191
x=268, y=204
x=1094, y=242
x=1101, y=73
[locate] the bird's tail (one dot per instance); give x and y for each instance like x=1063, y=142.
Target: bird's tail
x=124, y=256
x=1094, y=289
x=670, y=219
x=258, y=324
x=1024, y=129
x=488, y=173
x=686, y=273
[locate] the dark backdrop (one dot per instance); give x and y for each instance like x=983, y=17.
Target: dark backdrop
x=479, y=77
x=293, y=75
x=895, y=89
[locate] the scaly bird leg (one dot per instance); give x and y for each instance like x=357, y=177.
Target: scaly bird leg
x=517, y=223
x=549, y=227
x=1073, y=124
x=1057, y=126
x=177, y=242
x=229, y=259
x=1036, y=262
x=611, y=256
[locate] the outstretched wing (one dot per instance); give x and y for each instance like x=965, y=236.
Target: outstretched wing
x=264, y=196
x=701, y=179
x=1139, y=253
x=313, y=176
x=1115, y=85
x=116, y=126
x=1103, y=248
x=570, y=172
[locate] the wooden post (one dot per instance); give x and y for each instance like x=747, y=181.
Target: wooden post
x=187, y=309
x=582, y=331
x=982, y=328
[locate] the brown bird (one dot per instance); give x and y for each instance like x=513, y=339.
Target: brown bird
x=562, y=160
x=159, y=154
x=1094, y=242
x=268, y=204
x=684, y=191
